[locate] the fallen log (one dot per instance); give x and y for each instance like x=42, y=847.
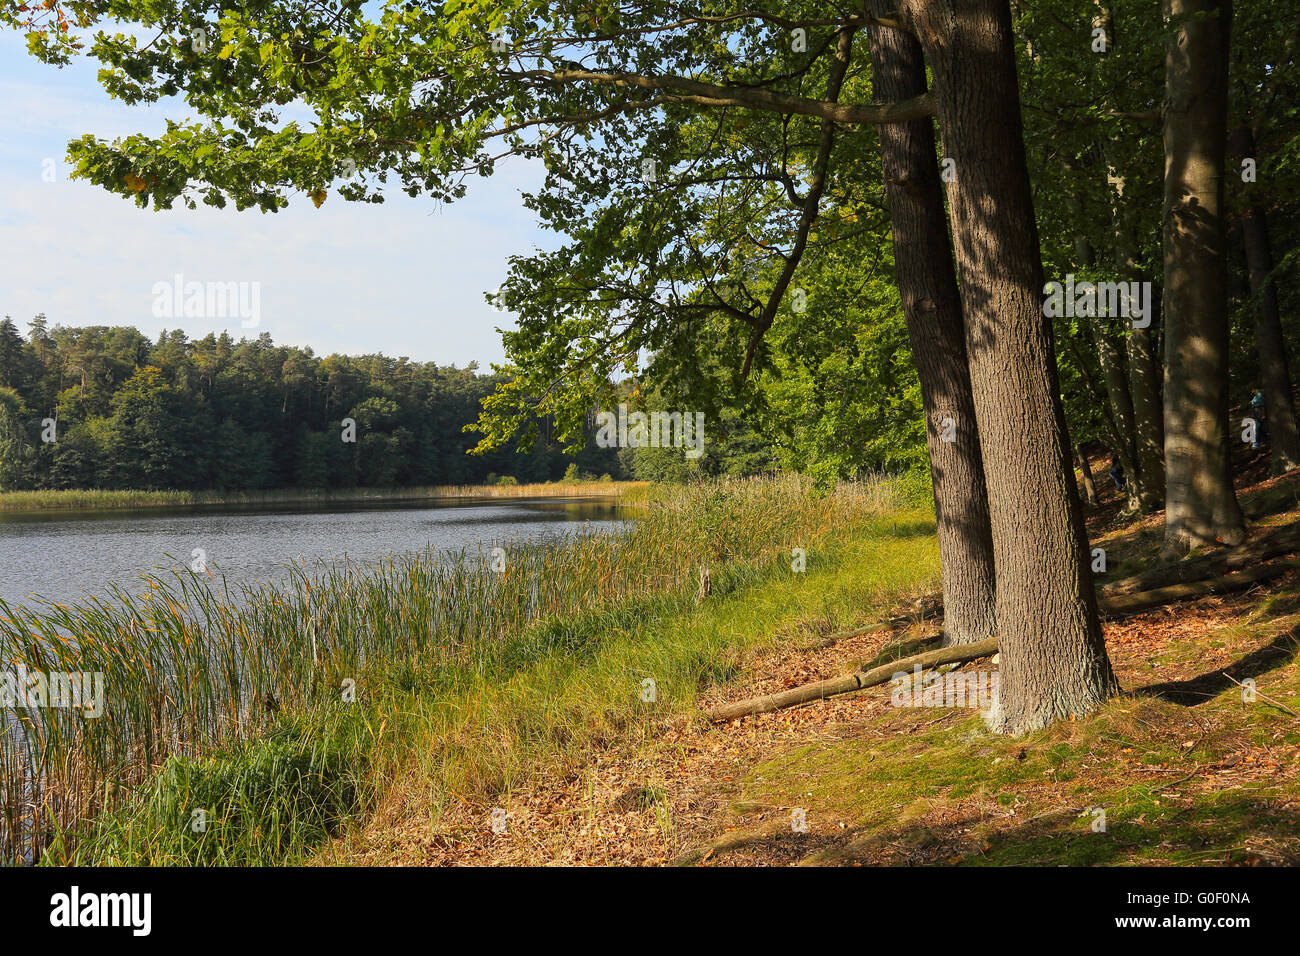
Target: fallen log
x=1121, y=605
x=851, y=682
x=830, y=640
x=1118, y=606
x=1270, y=544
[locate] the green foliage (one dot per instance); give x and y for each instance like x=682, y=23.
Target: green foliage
x=15, y=450
x=678, y=277
x=239, y=416
x=263, y=800
x=691, y=279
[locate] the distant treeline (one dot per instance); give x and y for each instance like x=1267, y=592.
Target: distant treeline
x=106, y=407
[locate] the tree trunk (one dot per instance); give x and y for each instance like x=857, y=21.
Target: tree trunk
x=1054, y=662
x=1089, y=489
x=1143, y=365
x=1111, y=362
x=1270, y=344
x=1148, y=420
x=1144, y=372
x=927, y=285
x=1200, y=506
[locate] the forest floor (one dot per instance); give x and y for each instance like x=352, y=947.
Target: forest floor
x=1179, y=770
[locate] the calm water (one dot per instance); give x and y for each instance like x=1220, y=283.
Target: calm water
x=66, y=556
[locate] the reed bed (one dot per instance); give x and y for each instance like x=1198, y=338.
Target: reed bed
x=72, y=499
x=191, y=668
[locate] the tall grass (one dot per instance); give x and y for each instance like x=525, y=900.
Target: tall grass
x=73, y=499
x=195, y=673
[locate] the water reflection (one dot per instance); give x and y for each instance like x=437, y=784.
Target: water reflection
x=66, y=556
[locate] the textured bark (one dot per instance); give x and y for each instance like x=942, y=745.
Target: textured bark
x=1200, y=506
x=1270, y=344
x=927, y=284
x=1054, y=662
x=1148, y=415
x=1089, y=489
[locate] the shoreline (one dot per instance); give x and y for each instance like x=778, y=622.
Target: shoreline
x=15, y=502
x=284, y=718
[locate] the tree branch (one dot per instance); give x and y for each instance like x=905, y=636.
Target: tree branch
x=707, y=94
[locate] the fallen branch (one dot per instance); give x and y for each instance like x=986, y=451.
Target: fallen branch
x=1263, y=696
x=1121, y=605
x=1112, y=607
x=851, y=682
x=1268, y=545
x=889, y=624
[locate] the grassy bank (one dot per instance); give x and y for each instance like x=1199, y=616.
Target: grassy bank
x=245, y=731
x=562, y=694
x=1186, y=768
x=94, y=499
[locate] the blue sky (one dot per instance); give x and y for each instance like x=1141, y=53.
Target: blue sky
x=403, y=278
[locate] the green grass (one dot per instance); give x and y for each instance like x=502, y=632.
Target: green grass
x=260, y=801
x=468, y=682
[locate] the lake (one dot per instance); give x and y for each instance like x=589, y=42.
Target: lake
x=66, y=556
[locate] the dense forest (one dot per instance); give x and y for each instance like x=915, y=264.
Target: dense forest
x=108, y=408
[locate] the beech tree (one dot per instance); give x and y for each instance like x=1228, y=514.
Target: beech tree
x=1054, y=661
x=927, y=285
x=1201, y=506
